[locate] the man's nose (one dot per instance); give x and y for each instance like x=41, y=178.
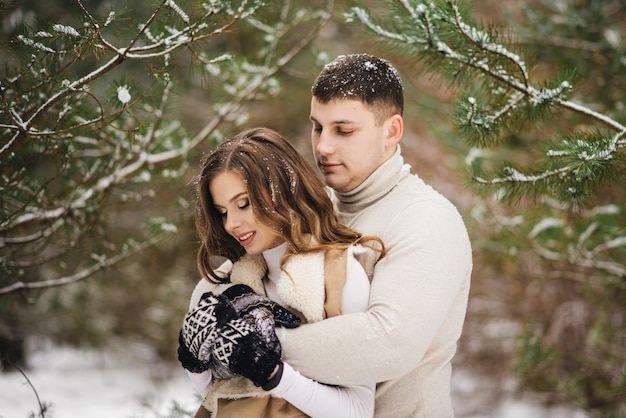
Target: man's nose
x=324, y=144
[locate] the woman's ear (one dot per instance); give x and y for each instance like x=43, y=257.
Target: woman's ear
x=395, y=128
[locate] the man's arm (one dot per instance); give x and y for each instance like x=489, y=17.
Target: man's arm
x=417, y=301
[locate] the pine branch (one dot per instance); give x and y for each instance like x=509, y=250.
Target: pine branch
x=115, y=151
x=598, y=117
x=477, y=38
x=596, y=257
x=598, y=155
x=146, y=158
x=500, y=96
x=269, y=70
x=421, y=20
x=190, y=35
x=101, y=263
x=515, y=176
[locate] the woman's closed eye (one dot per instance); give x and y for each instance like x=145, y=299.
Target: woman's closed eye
x=243, y=204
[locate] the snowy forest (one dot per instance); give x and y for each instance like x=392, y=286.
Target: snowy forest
x=514, y=111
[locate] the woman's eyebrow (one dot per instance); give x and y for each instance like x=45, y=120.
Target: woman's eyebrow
x=237, y=196
x=232, y=199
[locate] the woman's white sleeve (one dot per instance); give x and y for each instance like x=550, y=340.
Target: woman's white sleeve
x=202, y=381
x=322, y=401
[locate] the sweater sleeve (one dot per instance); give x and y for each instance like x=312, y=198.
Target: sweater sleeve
x=417, y=303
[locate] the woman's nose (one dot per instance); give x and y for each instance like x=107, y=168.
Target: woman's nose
x=231, y=223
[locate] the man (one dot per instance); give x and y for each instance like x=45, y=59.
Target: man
x=407, y=338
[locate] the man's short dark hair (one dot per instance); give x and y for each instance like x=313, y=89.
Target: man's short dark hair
x=363, y=77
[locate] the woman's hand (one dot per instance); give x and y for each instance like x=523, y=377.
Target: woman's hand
x=233, y=334
x=200, y=330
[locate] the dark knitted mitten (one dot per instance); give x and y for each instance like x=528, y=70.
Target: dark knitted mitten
x=266, y=314
x=241, y=349
x=252, y=352
x=187, y=360
x=200, y=330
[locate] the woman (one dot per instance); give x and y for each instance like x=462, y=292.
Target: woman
x=263, y=208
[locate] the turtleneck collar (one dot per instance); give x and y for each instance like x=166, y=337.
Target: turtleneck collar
x=272, y=259
x=378, y=184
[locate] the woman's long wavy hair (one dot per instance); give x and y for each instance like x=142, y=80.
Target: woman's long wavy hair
x=286, y=196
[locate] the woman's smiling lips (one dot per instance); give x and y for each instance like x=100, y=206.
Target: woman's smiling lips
x=245, y=239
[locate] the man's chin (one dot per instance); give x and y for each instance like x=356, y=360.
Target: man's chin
x=336, y=184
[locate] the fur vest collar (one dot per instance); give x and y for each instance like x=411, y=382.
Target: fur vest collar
x=300, y=286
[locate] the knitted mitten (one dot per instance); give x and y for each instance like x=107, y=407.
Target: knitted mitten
x=233, y=334
x=200, y=329
x=266, y=314
x=250, y=347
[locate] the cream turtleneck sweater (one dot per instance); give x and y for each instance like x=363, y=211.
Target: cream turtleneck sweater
x=407, y=337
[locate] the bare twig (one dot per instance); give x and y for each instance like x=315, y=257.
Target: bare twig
x=42, y=406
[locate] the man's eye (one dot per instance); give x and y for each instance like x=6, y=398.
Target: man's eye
x=343, y=132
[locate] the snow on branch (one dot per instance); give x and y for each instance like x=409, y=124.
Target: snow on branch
x=483, y=41
x=500, y=97
x=360, y=14
x=172, y=4
x=478, y=52
x=107, y=148
x=193, y=33
x=515, y=176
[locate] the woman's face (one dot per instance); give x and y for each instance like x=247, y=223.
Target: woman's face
x=230, y=197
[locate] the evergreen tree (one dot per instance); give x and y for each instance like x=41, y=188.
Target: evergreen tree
x=93, y=151
x=546, y=147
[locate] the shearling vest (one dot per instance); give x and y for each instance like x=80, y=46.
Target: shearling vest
x=310, y=285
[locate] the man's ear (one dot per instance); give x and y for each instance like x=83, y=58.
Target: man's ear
x=395, y=129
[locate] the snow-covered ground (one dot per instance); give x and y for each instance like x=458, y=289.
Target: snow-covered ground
x=131, y=383
x=127, y=383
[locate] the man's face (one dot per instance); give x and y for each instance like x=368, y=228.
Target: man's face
x=347, y=144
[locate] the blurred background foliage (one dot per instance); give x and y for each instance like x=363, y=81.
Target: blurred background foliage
x=536, y=312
